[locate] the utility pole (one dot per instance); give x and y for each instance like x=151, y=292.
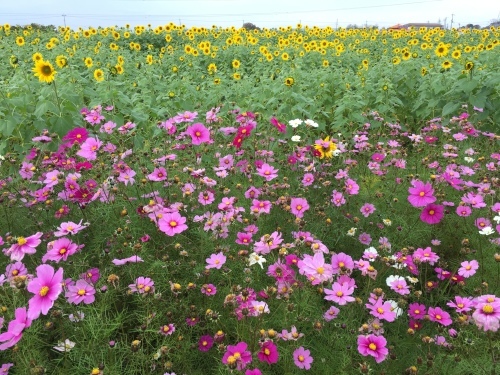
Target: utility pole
x=445, y=22
x=451, y=24
x=64, y=18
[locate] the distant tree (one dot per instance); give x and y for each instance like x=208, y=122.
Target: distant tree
x=250, y=26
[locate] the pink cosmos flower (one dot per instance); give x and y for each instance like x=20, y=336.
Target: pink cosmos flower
x=342, y=262
x=468, y=269
x=24, y=246
x=374, y=346
x=315, y=268
x=46, y=287
x=88, y=149
x=15, y=330
x=243, y=238
x=205, y=343
x=69, y=228
x=267, y=171
x=461, y=304
x=425, y=256
x=302, y=358
x=338, y=198
x=27, y=170
x=76, y=135
x=15, y=269
x=255, y=371
x=463, y=211
x=331, y=313
x=308, y=179
x=340, y=293
x=237, y=356
x=142, y=285
x=216, y=261
x=365, y=238
x=487, y=313
x=432, y=214
x=438, y=315
x=209, y=289
x=158, y=174
x=260, y=207
x=206, y=197
x=417, y=311
x=172, y=224
x=278, y=125
x=185, y=117
x=382, y=310
x=80, y=292
x=60, y=249
x=351, y=187
x=268, y=352
x=132, y=259
x=298, y=206
x=421, y=194
x=167, y=329
x=51, y=178
x=199, y=133
x=367, y=209
x=399, y=285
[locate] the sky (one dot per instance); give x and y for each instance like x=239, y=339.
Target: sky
x=262, y=13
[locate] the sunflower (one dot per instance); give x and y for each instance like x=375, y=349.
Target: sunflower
x=99, y=75
x=289, y=81
x=237, y=76
x=20, y=41
x=236, y=64
x=469, y=65
x=325, y=63
x=446, y=64
x=37, y=56
x=61, y=61
x=212, y=68
x=396, y=60
x=217, y=81
x=456, y=54
x=441, y=50
x=88, y=62
x=284, y=56
x=119, y=69
x=149, y=59
x=423, y=71
x=325, y=148
x=44, y=71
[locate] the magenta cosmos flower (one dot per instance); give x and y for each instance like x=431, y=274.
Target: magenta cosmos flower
x=367, y=209
x=24, y=246
x=432, y=213
x=298, y=206
x=199, y=134
x=172, y=224
x=80, y=292
x=268, y=352
x=237, y=356
x=421, y=194
x=438, y=315
x=15, y=330
x=205, y=343
x=374, y=346
x=302, y=358
x=46, y=287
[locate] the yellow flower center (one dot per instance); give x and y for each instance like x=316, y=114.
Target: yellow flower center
x=320, y=270
x=487, y=309
x=173, y=223
x=267, y=351
x=339, y=294
x=62, y=251
x=380, y=310
x=301, y=358
x=43, y=291
x=422, y=194
x=372, y=346
x=21, y=241
x=81, y=292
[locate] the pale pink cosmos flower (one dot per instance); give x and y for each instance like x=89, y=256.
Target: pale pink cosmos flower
x=425, y=256
x=302, y=358
x=23, y=246
x=267, y=171
x=461, y=304
x=88, y=149
x=46, y=288
x=351, y=187
x=308, y=179
x=315, y=268
x=367, y=209
x=468, y=269
x=60, y=249
x=132, y=259
x=142, y=285
x=331, y=313
x=487, y=313
x=216, y=261
x=69, y=227
x=341, y=263
x=340, y=293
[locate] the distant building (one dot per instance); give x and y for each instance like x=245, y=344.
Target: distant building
x=416, y=26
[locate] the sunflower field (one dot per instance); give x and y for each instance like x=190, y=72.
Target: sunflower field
x=228, y=201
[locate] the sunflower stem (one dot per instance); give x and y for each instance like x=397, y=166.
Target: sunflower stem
x=57, y=98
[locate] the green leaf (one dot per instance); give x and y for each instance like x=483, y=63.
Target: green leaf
x=450, y=108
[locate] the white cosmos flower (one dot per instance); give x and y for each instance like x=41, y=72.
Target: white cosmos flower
x=295, y=138
x=486, y=231
x=295, y=123
x=256, y=258
x=311, y=123
x=65, y=346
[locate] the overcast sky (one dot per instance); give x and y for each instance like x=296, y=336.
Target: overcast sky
x=263, y=13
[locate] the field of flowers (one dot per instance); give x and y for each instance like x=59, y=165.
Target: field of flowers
x=231, y=201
